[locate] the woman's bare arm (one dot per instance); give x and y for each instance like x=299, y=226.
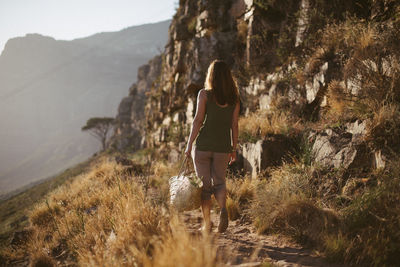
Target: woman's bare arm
x=235, y=132
x=198, y=120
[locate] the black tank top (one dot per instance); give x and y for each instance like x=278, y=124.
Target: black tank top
x=216, y=133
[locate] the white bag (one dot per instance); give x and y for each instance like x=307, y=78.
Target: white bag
x=185, y=190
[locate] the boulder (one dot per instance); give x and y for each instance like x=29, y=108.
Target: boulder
x=379, y=160
x=303, y=21
x=269, y=152
x=314, y=85
x=342, y=147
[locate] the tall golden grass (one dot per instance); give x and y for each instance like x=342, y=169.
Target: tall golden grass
x=369, y=61
x=284, y=204
x=240, y=191
x=105, y=218
x=259, y=124
x=362, y=231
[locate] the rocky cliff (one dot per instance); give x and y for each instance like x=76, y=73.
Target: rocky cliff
x=286, y=55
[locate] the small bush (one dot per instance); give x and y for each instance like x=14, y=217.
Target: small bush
x=241, y=189
x=335, y=247
x=42, y=260
x=285, y=204
x=304, y=221
x=233, y=208
x=287, y=183
x=339, y=102
x=369, y=235
x=44, y=213
x=383, y=130
x=179, y=248
x=240, y=194
x=373, y=224
x=367, y=62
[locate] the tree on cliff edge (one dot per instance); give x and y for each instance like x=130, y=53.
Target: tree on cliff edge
x=99, y=128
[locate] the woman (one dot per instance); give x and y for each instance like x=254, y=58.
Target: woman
x=215, y=129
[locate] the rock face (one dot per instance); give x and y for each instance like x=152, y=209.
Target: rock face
x=256, y=39
x=238, y=31
x=130, y=120
x=342, y=148
x=271, y=151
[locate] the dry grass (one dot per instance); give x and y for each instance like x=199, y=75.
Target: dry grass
x=338, y=101
x=240, y=193
x=288, y=184
x=178, y=248
x=370, y=234
x=105, y=218
x=13, y=210
x=383, y=130
x=369, y=62
x=363, y=231
x=42, y=260
x=233, y=208
x=284, y=204
x=305, y=221
x=259, y=124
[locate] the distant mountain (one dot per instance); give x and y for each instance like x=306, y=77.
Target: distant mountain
x=49, y=88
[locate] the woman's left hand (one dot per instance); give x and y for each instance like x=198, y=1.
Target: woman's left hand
x=232, y=157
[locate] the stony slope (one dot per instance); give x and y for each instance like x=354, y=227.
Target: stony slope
x=320, y=89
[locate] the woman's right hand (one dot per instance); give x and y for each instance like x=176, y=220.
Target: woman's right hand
x=232, y=157
x=188, y=151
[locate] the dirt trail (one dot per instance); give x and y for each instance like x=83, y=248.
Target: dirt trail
x=240, y=245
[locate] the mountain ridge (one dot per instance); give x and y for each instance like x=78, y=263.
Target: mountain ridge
x=49, y=88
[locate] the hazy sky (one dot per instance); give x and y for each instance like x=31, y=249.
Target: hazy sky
x=70, y=19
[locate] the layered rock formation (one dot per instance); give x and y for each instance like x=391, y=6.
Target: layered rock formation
x=240, y=32
x=266, y=43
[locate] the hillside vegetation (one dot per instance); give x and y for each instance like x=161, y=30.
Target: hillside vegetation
x=110, y=217
x=14, y=209
x=319, y=157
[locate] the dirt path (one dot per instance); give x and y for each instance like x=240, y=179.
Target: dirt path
x=240, y=245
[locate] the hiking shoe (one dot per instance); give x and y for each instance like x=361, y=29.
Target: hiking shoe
x=223, y=220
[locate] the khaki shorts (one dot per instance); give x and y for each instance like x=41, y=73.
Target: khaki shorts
x=211, y=168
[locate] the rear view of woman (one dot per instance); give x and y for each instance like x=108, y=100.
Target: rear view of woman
x=215, y=129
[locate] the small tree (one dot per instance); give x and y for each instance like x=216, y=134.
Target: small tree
x=99, y=128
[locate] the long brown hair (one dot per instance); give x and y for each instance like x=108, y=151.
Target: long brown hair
x=219, y=79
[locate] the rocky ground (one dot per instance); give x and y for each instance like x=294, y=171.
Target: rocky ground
x=240, y=245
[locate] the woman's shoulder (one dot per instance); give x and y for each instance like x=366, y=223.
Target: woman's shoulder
x=204, y=93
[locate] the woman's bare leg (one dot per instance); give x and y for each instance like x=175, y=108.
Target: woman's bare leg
x=220, y=163
x=202, y=163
